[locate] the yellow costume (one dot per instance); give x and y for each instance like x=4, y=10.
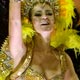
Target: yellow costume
x=6, y=66
x=64, y=36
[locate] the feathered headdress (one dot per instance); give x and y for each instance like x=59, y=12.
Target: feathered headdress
x=64, y=35
x=64, y=11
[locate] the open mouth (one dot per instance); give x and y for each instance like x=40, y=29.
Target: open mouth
x=45, y=23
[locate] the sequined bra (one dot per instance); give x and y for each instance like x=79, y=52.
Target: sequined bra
x=6, y=66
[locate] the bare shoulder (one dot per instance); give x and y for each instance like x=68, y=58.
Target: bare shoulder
x=70, y=72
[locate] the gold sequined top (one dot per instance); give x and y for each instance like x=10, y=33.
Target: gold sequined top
x=6, y=67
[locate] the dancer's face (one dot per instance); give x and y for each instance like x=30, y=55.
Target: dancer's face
x=42, y=18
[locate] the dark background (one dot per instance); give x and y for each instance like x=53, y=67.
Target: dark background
x=4, y=5
x=4, y=13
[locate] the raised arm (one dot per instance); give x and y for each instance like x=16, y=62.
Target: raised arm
x=16, y=45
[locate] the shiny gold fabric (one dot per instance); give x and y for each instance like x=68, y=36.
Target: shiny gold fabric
x=6, y=67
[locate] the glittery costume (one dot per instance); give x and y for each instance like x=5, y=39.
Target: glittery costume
x=64, y=36
x=6, y=66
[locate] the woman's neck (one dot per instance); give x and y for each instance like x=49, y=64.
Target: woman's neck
x=42, y=42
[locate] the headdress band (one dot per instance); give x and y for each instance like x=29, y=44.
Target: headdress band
x=28, y=4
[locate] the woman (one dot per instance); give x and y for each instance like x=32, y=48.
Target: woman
x=36, y=60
